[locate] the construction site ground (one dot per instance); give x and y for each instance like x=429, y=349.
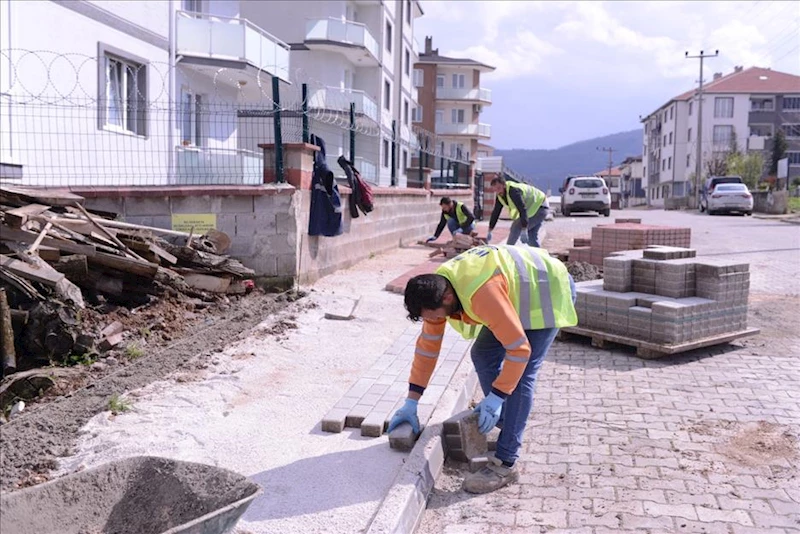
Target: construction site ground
x=700, y=442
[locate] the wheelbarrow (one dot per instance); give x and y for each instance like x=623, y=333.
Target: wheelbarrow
x=138, y=495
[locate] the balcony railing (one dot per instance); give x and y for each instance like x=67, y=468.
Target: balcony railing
x=227, y=38
x=478, y=130
x=342, y=31
x=204, y=166
x=340, y=99
x=454, y=93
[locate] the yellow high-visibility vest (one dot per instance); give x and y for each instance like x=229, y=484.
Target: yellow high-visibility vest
x=460, y=217
x=532, y=197
x=538, y=285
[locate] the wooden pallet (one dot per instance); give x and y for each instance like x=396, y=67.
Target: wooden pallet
x=649, y=350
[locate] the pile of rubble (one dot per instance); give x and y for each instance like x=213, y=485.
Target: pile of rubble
x=60, y=264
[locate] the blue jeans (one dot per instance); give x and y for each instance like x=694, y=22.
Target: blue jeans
x=487, y=356
x=534, y=223
x=452, y=225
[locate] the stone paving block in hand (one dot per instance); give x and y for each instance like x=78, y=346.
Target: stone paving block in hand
x=403, y=438
x=473, y=443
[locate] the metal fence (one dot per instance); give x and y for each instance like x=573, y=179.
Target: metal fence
x=73, y=120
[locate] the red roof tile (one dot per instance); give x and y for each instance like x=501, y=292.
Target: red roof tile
x=753, y=80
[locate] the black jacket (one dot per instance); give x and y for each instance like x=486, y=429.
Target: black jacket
x=325, y=217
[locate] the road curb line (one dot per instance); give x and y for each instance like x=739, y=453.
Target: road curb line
x=403, y=507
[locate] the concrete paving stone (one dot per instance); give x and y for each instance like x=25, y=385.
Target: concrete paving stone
x=685, y=511
x=654, y=524
x=548, y=521
x=473, y=443
x=610, y=520
x=699, y=527
x=761, y=520
x=357, y=414
x=358, y=389
x=334, y=420
x=739, y=529
x=402, y=438
x=710, y=515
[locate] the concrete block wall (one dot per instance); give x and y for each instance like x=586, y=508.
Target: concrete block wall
x=774, y=202
x=665, y=301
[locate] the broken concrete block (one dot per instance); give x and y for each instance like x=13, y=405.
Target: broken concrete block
x=473, y=443
x=402, y=438
x=114, y=328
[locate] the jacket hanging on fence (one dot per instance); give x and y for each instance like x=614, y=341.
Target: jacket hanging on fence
x=325, y=217
x=361, y=196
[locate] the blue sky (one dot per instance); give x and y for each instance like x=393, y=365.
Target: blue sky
x=568, y=71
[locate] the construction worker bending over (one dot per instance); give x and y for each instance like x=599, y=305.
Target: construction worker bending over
x=527, y=207
x=457, y=216
x=512, y=300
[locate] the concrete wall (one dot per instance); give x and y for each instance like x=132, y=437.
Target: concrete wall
x=268, y=225
x=775, y=202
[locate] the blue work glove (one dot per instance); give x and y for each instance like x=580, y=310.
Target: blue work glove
x=458, y=231
x=524, y=237
x=489, y=236
x=488, y=412
x=406, y=414
x=431, y=239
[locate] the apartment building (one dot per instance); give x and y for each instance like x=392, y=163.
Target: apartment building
x=633, y=181
x=121, y=93
x=451, y=100
x=353, y=51
x=744, y=108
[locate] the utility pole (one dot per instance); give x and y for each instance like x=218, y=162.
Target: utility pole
x=698, y=172
x=610, y=155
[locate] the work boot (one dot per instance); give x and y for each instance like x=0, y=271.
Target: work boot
x=494, y=476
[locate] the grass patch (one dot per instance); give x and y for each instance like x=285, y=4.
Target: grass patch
x=116, y=405
x=794, y=204
x=87, y=358
x=134, y=351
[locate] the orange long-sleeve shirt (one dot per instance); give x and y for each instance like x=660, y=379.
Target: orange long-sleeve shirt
x=493, y=309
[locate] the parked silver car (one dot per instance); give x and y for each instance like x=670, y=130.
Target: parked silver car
x=727, y=198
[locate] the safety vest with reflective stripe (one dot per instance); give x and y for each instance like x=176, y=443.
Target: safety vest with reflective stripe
x=460, y=217
x=532, y=198
x=538, y=285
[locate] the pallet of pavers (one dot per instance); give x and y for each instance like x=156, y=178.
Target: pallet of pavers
x=664, y=300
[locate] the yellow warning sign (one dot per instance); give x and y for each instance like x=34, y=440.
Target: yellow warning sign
x=202, y=222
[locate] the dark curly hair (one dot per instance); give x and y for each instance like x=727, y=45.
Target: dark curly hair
x=424, y=292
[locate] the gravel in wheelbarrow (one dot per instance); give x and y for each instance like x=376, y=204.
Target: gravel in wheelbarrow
x=138, y=495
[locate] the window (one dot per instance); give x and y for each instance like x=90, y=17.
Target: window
x=671, y=112
x=690, y=108
x=440, y=80
x=456, y=150
x=794, y=158
x=405, y=160
x=439, y=116
x=408, y=11
x=723, y=135
x=388, y=36
x=791, y=103
x=665, y=139
x=457, y=116
x=386, y=153
x=723, y=107
x=416, y=114
x=791, y=130
x=689, y=135
x=419, y=77
x=123, y=104
x=387, y=95
x=405, y=112
x=458, y=81
x=669, y=163
x=663, y=165
x=195, y=6
x=670, y=138
x=761, y=130
x=408, y=62
x=688, y=160
x=190, y=117
x=761, y=104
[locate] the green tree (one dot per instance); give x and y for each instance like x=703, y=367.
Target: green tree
x=749, y=166
x=779, y=147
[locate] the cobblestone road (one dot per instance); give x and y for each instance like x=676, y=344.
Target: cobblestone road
x=704, y=442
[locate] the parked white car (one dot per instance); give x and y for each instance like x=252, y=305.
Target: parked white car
x=727, y=198
x=585, y=193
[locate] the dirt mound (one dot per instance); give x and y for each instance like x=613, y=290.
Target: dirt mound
x=582, y=271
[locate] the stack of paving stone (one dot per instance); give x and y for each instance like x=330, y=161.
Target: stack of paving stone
x=627, y=235
x=665, y=295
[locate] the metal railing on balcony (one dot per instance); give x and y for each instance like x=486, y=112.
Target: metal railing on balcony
x=464, y=93
x=217, y=37
x=339, y=99
x=342, y=31
x=479, y=130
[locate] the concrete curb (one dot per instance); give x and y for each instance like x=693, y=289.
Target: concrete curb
x=402, y=509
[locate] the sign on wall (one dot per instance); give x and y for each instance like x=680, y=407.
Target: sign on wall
x=201, y=222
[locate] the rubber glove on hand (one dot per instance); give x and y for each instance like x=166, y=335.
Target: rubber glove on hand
x=488, y=412
x=431, y=239
x=406, y=414
x=524, y=237
x=489, y=236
